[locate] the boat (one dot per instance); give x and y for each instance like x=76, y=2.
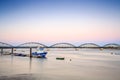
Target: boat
x=60, y=58
x=40, y=53
x=20, y=54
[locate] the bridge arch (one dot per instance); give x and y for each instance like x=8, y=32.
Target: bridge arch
x=32, y=44
x=2, y=44
x=62, y=45
x=111, y=45
x=89, y=45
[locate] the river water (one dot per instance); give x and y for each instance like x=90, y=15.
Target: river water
x=83, y=64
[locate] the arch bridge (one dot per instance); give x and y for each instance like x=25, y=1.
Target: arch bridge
x=2, y=44
x=32, y=44
x=112, y=45
x=62, y=45
x=89, y=45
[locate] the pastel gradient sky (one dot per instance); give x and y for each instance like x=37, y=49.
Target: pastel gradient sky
x=51, y=21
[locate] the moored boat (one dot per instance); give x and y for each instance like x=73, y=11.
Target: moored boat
x=60, y=58
x=40, y=53
x=20, y=54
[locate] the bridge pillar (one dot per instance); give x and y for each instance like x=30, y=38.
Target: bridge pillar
x=47, y=49
x=76, y=49
x=1, y=51
x=30, y=52
x=12, y=50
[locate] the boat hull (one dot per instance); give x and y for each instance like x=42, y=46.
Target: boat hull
x=39, y=55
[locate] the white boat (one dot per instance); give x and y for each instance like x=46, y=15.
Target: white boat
x=40, y=53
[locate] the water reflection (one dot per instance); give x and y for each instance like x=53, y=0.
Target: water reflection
x=30, y=64
x=74, y=67
x=11, y=59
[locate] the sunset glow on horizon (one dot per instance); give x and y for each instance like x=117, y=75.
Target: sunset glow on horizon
x=50, y=21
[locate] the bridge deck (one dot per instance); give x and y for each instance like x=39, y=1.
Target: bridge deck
x=61, y=47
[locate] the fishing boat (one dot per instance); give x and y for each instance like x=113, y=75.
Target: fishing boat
x=60, y=58
x=40, y=53
x=20, y=54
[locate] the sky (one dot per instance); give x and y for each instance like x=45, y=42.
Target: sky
x=55, y=21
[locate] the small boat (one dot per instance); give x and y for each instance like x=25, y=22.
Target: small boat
x=20, y=54
x=39, y=53
x=60, y=58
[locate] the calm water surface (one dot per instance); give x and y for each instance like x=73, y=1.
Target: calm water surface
x=85, y=64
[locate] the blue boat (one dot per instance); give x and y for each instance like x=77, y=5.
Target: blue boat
x=39, y=53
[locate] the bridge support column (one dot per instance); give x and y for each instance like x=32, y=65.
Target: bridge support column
x=1, y=51
x=12, y=50
x=30, y=52
x=77, y=49
x=47, y=49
